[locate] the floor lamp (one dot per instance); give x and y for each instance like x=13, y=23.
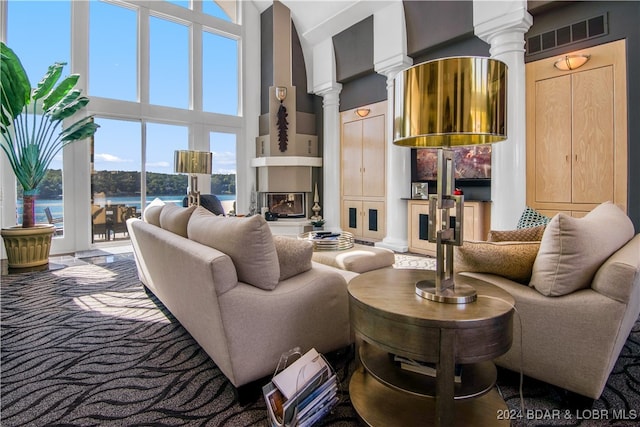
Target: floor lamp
x=192, y=163
x=442, y=104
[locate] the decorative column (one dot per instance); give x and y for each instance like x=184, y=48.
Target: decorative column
x=503, y=26
x=390, y=57
x=331, y=156
x=398, y=173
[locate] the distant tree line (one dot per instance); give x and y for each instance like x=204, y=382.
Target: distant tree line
x=127, y=184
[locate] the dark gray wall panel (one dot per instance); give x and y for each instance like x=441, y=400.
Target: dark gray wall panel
x=469, y=46
x=431, y=23
x=363, y=91
x=354, y=51
x=304, y=101
x=266, y=58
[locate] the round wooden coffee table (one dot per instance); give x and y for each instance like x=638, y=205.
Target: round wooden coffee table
x=390, y=319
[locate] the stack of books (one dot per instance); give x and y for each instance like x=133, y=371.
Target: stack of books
x=302, y=393
x=425, y=368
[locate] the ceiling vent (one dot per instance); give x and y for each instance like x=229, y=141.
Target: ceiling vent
x=576, y=32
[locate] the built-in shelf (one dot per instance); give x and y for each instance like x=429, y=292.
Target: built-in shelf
x=286, y=161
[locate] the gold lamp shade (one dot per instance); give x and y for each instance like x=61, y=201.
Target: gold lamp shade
x=193, y=162
x=189, y=161
x=451, y=102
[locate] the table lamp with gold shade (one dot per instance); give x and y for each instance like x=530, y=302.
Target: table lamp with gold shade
x=193, y=162
x=441, y=104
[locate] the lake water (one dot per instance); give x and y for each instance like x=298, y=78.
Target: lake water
x=55, y=205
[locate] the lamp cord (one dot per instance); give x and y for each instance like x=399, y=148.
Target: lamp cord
x=521, y=352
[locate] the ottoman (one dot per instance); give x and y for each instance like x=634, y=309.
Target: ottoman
x=358, y=259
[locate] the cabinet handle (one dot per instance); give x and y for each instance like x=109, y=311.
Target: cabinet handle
x=309, y=142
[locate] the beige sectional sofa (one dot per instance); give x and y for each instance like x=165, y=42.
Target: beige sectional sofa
x=577, y=294
x=244, y=295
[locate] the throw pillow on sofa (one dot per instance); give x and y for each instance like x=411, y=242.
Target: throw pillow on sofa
x=528, y=234
x=294, y=256
x=175, y=218
x=513, y=260
x=247, y=241
x=532, y=218
x=572, y=249
x=151, y=213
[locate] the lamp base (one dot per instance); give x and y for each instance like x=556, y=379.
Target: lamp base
x=456, y=294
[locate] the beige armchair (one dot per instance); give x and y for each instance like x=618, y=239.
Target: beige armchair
x=577, y=309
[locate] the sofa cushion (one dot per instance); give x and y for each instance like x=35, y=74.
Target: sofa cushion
x=513, y=260
x=572, y=249
x=175, y=218
x=247, y=240
x=151, y=213
x=532, y=218
x=528, y=234
x=294, y=256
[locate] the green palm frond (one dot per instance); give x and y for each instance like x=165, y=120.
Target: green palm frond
x=30, y=120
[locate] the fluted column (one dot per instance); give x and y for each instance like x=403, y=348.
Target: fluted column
x=398, y=173
x=331, y=156
x=503, y=26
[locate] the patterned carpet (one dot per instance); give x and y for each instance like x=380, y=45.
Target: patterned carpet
x=86, y=345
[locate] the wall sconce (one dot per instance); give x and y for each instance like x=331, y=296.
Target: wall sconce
x=571, y=62
x=281, y=93
x=363, y=112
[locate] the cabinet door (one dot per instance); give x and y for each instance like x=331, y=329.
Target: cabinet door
x=352, y=220
x=352, y=159
x=374, y=220
x=419, y=229
x=593, y=139
x=373, y=157
x=553, y=140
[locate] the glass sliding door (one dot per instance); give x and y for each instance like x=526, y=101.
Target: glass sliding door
x=161, y=142
x=223, y=178
x=115, y=178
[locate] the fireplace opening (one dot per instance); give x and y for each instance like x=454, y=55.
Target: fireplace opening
x=286, y=205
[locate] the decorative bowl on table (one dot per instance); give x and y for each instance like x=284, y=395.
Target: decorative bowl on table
x=328, y=241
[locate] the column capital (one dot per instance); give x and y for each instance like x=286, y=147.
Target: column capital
x=330, y=94
x=504, y=29
x=392, y=66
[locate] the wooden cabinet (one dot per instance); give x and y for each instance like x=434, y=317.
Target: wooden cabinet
x=577, y=133
x=476, y=224
x=364, y=219
x=363, y=164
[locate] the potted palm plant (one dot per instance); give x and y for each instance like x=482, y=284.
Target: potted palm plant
x=35, y=125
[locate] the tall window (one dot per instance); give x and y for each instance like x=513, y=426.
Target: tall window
x=169, y=59
x=219, y=64
x=113, y=65
x=157, y=74
x=27, y=28
x=223, y=179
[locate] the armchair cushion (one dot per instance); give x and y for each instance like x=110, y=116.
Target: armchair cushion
x=513, y=260
x=248, y=241
x=294, y=256
x=572, y=249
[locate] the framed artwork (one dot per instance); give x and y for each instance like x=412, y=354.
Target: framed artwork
x=473, y=162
